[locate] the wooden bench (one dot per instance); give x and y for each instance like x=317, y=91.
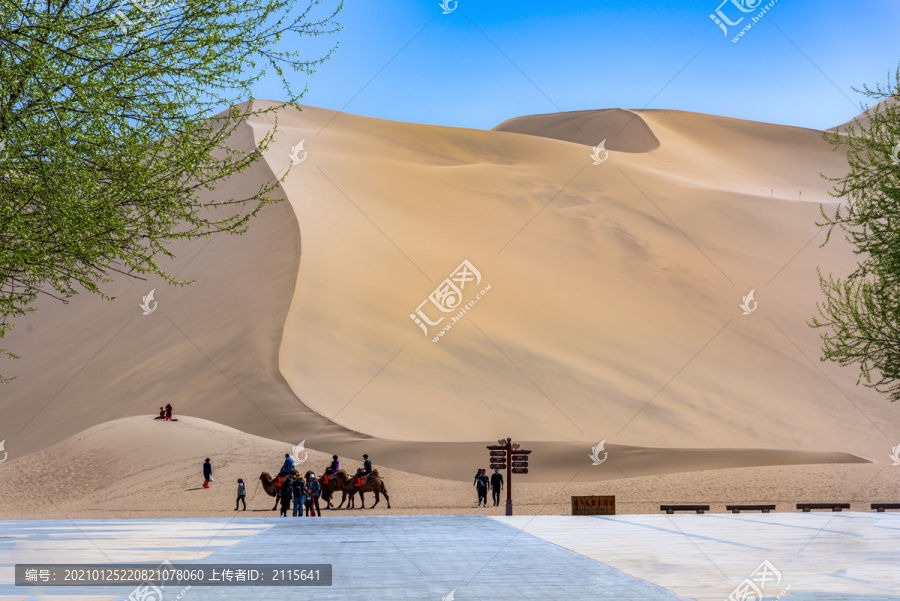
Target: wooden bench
x=882, y=506
x=673, y=508
x=738, y=508
x=832, y=506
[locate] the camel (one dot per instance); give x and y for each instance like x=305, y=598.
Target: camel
x=373, y=484
x=333, y=486
x=272, y=489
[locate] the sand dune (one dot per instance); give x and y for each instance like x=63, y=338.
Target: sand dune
x=612, y=312
x=139, y=467
x=624, y=131
x=864, y=118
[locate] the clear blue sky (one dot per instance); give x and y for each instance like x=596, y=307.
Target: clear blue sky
x=490, y=60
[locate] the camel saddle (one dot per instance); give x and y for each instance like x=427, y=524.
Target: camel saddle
x=361, y=480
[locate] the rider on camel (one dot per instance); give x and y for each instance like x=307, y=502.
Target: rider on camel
x=363, y=471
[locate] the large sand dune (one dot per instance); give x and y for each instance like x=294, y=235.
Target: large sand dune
x=612, y=312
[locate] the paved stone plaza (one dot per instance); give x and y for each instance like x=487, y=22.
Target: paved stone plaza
x=821, y=556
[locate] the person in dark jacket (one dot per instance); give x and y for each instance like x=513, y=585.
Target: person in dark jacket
x=169, y=411
x=162, y=414
x=362, y=472
x=207, y=473
x=299, y=494
x=481, y=485
x=496, y=486
x=312, y=491
x=286, y=494
x=242, y=495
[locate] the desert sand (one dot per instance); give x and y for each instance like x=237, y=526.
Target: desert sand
x=139, y=467
x=612, y=314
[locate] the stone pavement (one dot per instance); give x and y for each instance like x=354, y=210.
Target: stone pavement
x=824, y=556
x=820, y=555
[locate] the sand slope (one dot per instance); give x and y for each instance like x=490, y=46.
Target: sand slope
x=611, y=285
x=612, y=312
x=138, y=467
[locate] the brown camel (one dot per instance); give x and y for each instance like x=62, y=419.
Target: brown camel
x=271, y=487
x=373, y=484
x=333, y=486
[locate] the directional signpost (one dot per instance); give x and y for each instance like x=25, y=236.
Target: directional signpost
x=514, y=460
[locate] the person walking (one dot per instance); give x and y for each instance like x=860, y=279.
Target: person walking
x=496, y=486
x=475, y=484
x=313, y=489
x=299, y=494
x=242, y=495
x=207, y=473
x=286, y=494
x=481, y=485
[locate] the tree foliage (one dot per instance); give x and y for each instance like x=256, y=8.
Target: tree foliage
x=861, y=312
x=115, y=120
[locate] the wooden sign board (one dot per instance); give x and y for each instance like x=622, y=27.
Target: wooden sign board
x=596, y=505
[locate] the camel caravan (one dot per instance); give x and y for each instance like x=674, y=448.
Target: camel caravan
x=366, y=480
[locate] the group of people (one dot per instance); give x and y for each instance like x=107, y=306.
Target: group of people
x=165, y=413
x=359, y=479
x=482, y=482
x=304, y=493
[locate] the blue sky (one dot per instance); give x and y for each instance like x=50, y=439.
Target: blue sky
x=488, y=61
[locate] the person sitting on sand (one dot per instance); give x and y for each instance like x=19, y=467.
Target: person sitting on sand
x=168, y=412
x=162, y=414
x=207, y=473
x=287, y=467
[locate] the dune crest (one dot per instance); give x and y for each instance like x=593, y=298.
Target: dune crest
x=623, y=130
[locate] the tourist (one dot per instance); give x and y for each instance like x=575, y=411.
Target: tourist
x=207, y=473
x=242, y=495
x=288, y=465
x=335, y=464
x=496, y=486
x=168, y=412
x=312, y=501
x=162, y=414
x=299, y=494
x=481, y=485
x=475, y=484
x=286, y=493
x=363, y=471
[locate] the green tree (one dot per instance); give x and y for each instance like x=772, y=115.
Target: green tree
x=861, y=313
x=115, y=120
